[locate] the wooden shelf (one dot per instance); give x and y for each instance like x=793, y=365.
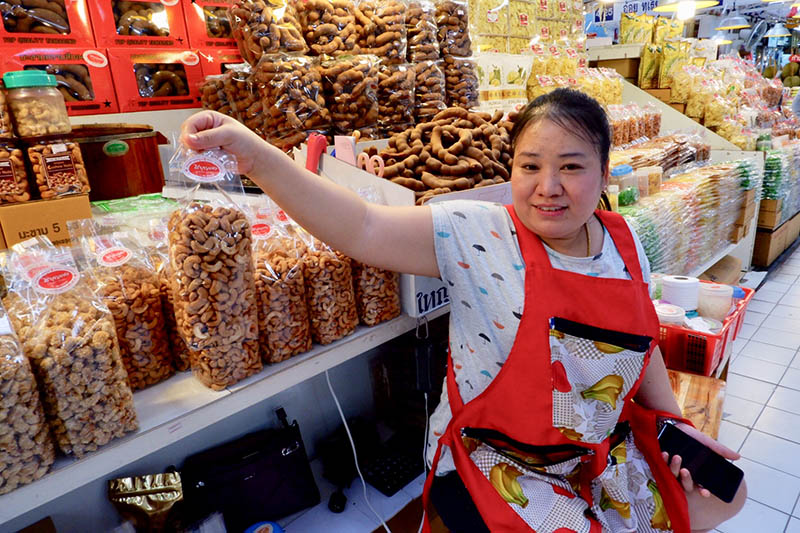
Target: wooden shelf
x=181, y=406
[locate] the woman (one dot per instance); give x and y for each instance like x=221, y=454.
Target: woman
x=551, y=332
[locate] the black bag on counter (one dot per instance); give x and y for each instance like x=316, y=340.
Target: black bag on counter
x=262, y=476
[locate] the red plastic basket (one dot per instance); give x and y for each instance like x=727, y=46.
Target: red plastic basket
x=700, y=353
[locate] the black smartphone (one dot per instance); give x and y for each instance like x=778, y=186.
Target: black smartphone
x=708, y=468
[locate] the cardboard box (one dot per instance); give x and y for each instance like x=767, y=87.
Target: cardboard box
x=680, y=108
x=750, y=197
x=769, y=245
x=727, y=270
x=627, y=68
x=90, y=90
x=76, y=32
x=794, y=230
x=207, y=24
x=746, y=214
x=661, y=94
x=215, y=62
x=43, y=217
x=136, y=77
x=161, y=25
x=769, y=214
x=737, y=233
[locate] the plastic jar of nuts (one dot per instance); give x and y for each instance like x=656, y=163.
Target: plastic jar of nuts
x=37, y=107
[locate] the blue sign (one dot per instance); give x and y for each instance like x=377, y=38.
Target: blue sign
x=604, y=13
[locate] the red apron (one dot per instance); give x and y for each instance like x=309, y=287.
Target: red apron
x=519, y=402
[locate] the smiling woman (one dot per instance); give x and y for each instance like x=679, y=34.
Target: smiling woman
x=552, y=332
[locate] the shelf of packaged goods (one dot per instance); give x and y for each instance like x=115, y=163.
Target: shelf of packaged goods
x=181, y=406
x=711, y=262
x=615, y=51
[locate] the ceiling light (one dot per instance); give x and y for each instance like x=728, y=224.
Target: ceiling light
x=721, y=38
x=733, y=22
x=676, y=5
x=778, y=30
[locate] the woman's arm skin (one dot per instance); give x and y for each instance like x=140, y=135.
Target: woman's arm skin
x=395, y=238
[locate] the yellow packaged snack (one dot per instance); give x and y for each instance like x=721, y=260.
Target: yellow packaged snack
x=648, y=26
x=681, y=83
x=541, y=60
x=612, y=85
x=488, y=17
x=520, y=45
x=675, y=29
x=521, y=19
x=562, y=9
x=539, y=85
x=648, y=66
x=544, y=8
x=660, y=30
x=490, y=43
x=555, y=65
x=672, y=59
x=627, y=28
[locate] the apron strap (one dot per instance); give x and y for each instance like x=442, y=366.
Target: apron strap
x=453, y=394
x=623, y=240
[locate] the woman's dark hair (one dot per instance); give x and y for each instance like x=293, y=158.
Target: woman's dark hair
x=572, y=110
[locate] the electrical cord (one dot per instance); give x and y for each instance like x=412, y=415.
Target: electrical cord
x=355, y=454
x=425, y=456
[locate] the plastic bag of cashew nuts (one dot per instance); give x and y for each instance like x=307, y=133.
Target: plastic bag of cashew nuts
x=292, y=97
x=213, y=97
x=128, y=283
x=14, y=186
x=395, y=98
x=68, y=334
x=452, y=21
x=265, y=28
x=351, y=93
x=27, y=449
x=429, y=90
x=422, y=31
x=243, y=96
x=382, y=29
x=329, y=26
x=213, y=286
x=283, y=321
x=461, y=82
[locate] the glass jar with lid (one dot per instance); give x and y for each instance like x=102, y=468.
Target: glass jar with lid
x=37, y=107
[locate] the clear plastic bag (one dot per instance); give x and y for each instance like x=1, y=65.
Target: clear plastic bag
x=14, y=186
x=210, y=251
x=243, y=95
x=140, y=18
x=351, y=91
x=68, y=335
x=284, y=325
x=382, y=29
x=292, y=97
x=213, y=97
x=461, y=82
x=329, y=27
x=421, y=31
x=265, y=28
x=429, y=90
x=452, y=20
x=28, y=450
x=128, y=283
x=329, y=293
x=395, y=98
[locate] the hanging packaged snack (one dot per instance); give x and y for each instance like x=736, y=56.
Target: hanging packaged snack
x=292, y=96
x=652, y=121
x=68, y=335
x=395, y=98
x=28, y=450
x=47, y=23
x=351, y=94
x=329, y=293
x=429, y=90
x=628, y=23
x=452, y=19
x=672, y=60
x=522, y=16
x=543, y=9
x=620, y=134
x=148, y=80
x=263, y=28
x=421, y=31
x=283, y=322
x=649, y=66
x=58, y=168
x=141, y=23
x=461, y=82
x=213, y=97
x=207, y=23
x=611, y=81
x=128, y=283
x=14, y=186
x=382, y=29
x=540, y=85
x=329, y=27
x=488, y=17
x=243, y=95
x=213, y=286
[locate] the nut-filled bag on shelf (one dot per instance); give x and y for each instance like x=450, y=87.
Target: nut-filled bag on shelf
x=265, y=28
x=422, y=31
x=242, y=93
x=329, y=27
x=292, y=98
x=68, y=334
x=283, y=322
x=14, y=184
x=395, y=98
x=210, y=251
x=461, y=82
x=382, y=29
x=429, y=90
x=452, y=19
x=28, y=449
x=213, y=97
x=329, y=293
x=351, y=94
x=128, y=283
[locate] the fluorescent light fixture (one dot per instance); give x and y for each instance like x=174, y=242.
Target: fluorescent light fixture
x=676, y=6
x=721, y=38
x=778, y=30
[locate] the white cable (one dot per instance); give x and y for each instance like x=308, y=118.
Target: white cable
x=355, y=455
x=425, y=456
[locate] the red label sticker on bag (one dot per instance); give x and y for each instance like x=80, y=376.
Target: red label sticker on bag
x=114, y=256
x=492, y=16
x=56, y=279
x=523, y=19
x=282, y=216
x=203, y=169
x=260, y=230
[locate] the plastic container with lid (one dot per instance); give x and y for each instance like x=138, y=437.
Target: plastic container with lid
x=37, y=107
x=618, y=175
x=613, y=197
x=6, y=128
x=714, y=300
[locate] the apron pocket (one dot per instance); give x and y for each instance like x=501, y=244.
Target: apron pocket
x=592, y=371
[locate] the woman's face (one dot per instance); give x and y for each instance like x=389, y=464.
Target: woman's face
x=556, y=180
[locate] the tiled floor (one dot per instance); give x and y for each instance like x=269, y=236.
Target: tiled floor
x=761, y=416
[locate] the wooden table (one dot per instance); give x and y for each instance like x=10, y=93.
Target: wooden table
x=700, y=399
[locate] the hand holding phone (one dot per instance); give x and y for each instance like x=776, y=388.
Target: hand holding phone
x=708, y=468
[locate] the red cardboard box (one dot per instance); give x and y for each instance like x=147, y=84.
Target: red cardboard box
x=207, y=23
x=68, y=18
x=153, y=79
x=216, y=62
x=84, y=76
x=143, y=23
